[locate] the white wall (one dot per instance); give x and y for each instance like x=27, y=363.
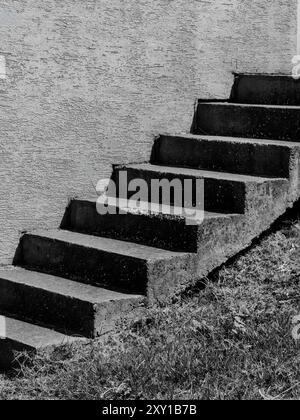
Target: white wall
x=91, y=82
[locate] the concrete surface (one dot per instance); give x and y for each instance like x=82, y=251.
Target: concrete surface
x=91, y=82
x=223, y=192
x=71, y=306
x=152, y=228
x=245, y=120
x=99, y=261
x=263, y=89
x=118, y=262
x=264, y=158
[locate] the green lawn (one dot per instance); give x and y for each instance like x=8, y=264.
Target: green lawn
x=231, y=341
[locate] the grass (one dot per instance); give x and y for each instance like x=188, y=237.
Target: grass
x=232, y=340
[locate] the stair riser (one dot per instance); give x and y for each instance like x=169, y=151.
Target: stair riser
x=156, y=231
x=80, y=263
x=219, y=195
x=252, y=122
x=263, y=89
x=232, y=157
x=66, y=314
x=159, y=274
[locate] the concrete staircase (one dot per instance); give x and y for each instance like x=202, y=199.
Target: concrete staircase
x=76, y=281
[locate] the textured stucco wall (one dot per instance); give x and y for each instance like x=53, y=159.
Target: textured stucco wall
x=91, y=82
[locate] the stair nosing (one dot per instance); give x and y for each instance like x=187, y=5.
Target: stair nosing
x=134, y=210
x=31, y=329
x=245, y=105
x=94, y=242
x=229, y=139
x=201, y=174
x=62, y=286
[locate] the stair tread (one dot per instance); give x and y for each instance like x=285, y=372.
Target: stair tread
x=268, y=75
x=153, y=209
x=33, y=336
x=200, y=173
x=62, y=286
x=242, y=105
x=245, y=140
x=113, y=246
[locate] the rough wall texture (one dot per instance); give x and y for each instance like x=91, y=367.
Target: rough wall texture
x=91, y=82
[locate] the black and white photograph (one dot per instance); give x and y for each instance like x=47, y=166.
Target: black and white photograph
x=149, y=203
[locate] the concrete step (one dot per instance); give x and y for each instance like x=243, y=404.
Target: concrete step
x=265, y=89
x=223, y=192
x=148, y=225
x=22, y=336
x=63, y=304
x=268, y=158
x=118, y=265
x=242, y=120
